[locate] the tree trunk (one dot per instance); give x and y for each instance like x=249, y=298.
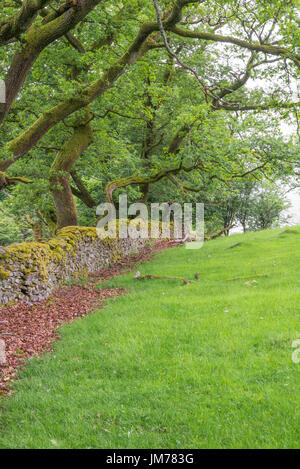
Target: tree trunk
x=60, y=174
x=63, y=201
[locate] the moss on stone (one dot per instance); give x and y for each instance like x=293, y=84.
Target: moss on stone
x=36, y=256
x=4, y=274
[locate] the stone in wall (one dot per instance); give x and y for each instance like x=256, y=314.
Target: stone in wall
x=31, y=271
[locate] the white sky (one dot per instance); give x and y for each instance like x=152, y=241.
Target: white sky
x=288, y=130
x=294, y=211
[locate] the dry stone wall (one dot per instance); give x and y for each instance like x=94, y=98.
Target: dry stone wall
x=31, y=271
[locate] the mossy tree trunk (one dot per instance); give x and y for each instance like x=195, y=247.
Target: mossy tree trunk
x=60, y=173
x=11, y=27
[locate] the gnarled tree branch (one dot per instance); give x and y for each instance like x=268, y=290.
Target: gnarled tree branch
x=14, y=25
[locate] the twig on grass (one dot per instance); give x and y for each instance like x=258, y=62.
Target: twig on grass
x=138, y=276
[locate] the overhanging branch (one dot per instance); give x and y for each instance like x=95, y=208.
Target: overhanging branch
x=266, y=48
x=6, y=180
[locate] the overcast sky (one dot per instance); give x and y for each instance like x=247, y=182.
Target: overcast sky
x=294, y=197
x=287, y=129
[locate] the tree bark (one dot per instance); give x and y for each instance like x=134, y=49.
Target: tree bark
x=16, y=24
x=60, y=174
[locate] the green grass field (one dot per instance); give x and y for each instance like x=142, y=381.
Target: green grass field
x=204, y=365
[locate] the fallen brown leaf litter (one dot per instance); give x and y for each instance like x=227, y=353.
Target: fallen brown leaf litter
x=30, y=329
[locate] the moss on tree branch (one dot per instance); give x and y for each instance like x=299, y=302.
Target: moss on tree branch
x=6, y=180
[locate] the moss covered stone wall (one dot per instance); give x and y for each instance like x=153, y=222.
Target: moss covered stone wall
x=31, y=271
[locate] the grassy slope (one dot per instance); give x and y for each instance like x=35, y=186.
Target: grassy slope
x=206, y=365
